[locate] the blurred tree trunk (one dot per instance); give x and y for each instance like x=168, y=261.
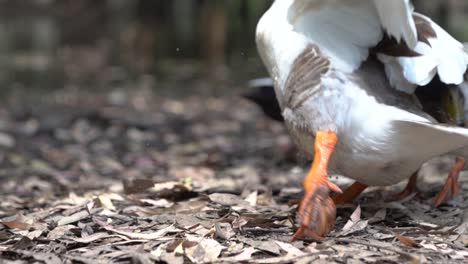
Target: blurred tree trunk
x=31, y=44
x=444, y=13
x=183, y=15
x=213, y=32
x=45, y=32
x=122, y=29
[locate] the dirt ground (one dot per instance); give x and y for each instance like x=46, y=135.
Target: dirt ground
x=129, y=176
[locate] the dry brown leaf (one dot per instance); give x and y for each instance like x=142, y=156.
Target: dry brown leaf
x=34, y=234
x=207, y=250
x=407, y=241
x=162, y=254
x=224, y=231
x=92, y=238
x=246, y=255
x=379, y=216
x=59, y=231
x=354, y=224
x=23, y=243
x=4, y=236
x=292, y=255
x=226, y=199
x=290, y=249
x=105, y=202
x=159, y=235
x=267, y=246
x=353, y=219
x=137, y=185
x=73, y=218
x=16, y=222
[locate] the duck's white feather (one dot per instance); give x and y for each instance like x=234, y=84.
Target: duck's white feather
x=396, y=18
x=410, y=72
x=343, y=30
x=440, y=54
x=450, y=54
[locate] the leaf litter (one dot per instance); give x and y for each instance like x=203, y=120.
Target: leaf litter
x=100, y=182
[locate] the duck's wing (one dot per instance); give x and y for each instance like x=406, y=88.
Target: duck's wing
x=346, y=30
x=344, y=33
x=435, y=53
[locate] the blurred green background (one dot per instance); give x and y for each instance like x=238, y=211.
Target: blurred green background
x=173, y=45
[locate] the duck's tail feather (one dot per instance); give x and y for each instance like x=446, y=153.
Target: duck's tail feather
x=428, y=140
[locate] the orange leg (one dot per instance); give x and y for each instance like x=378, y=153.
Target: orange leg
x=317, y=211
x=451, y=188
x=350, y=193
x=410, y=188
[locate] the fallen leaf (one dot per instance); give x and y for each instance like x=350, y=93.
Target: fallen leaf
x=407, y=241
x=207, y=250
x=161, y=254
x=353, y=219
x=47, y=258
x=59, y=231
x=159, y=235
x=224, y=231
x=91, y=238
x=23, y=243
x=246, y=255
x=16, y=222
x=34, y=234
x=226, y=199
x=354, y=224
x=73, y=218
x=252, y=198
x=379, y=216
x=267, y=246
x=292, y=254
x=4, y=236
x=7, y=140
x=106, y=202
x=137, y=185
x=290, y=249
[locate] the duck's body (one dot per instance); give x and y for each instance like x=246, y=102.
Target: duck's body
x=335, y=71
x=368, y=124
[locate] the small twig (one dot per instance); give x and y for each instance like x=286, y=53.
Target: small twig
x=376, y=245
x=267, y=230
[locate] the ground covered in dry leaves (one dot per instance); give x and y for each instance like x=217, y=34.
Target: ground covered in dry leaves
x=132, y=177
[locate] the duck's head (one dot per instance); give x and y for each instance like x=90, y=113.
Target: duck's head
x=453, y=104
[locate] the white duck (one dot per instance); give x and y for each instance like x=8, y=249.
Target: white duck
x=345, y=73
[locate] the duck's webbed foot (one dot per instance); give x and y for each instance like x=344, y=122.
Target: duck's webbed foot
x=317, y=211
